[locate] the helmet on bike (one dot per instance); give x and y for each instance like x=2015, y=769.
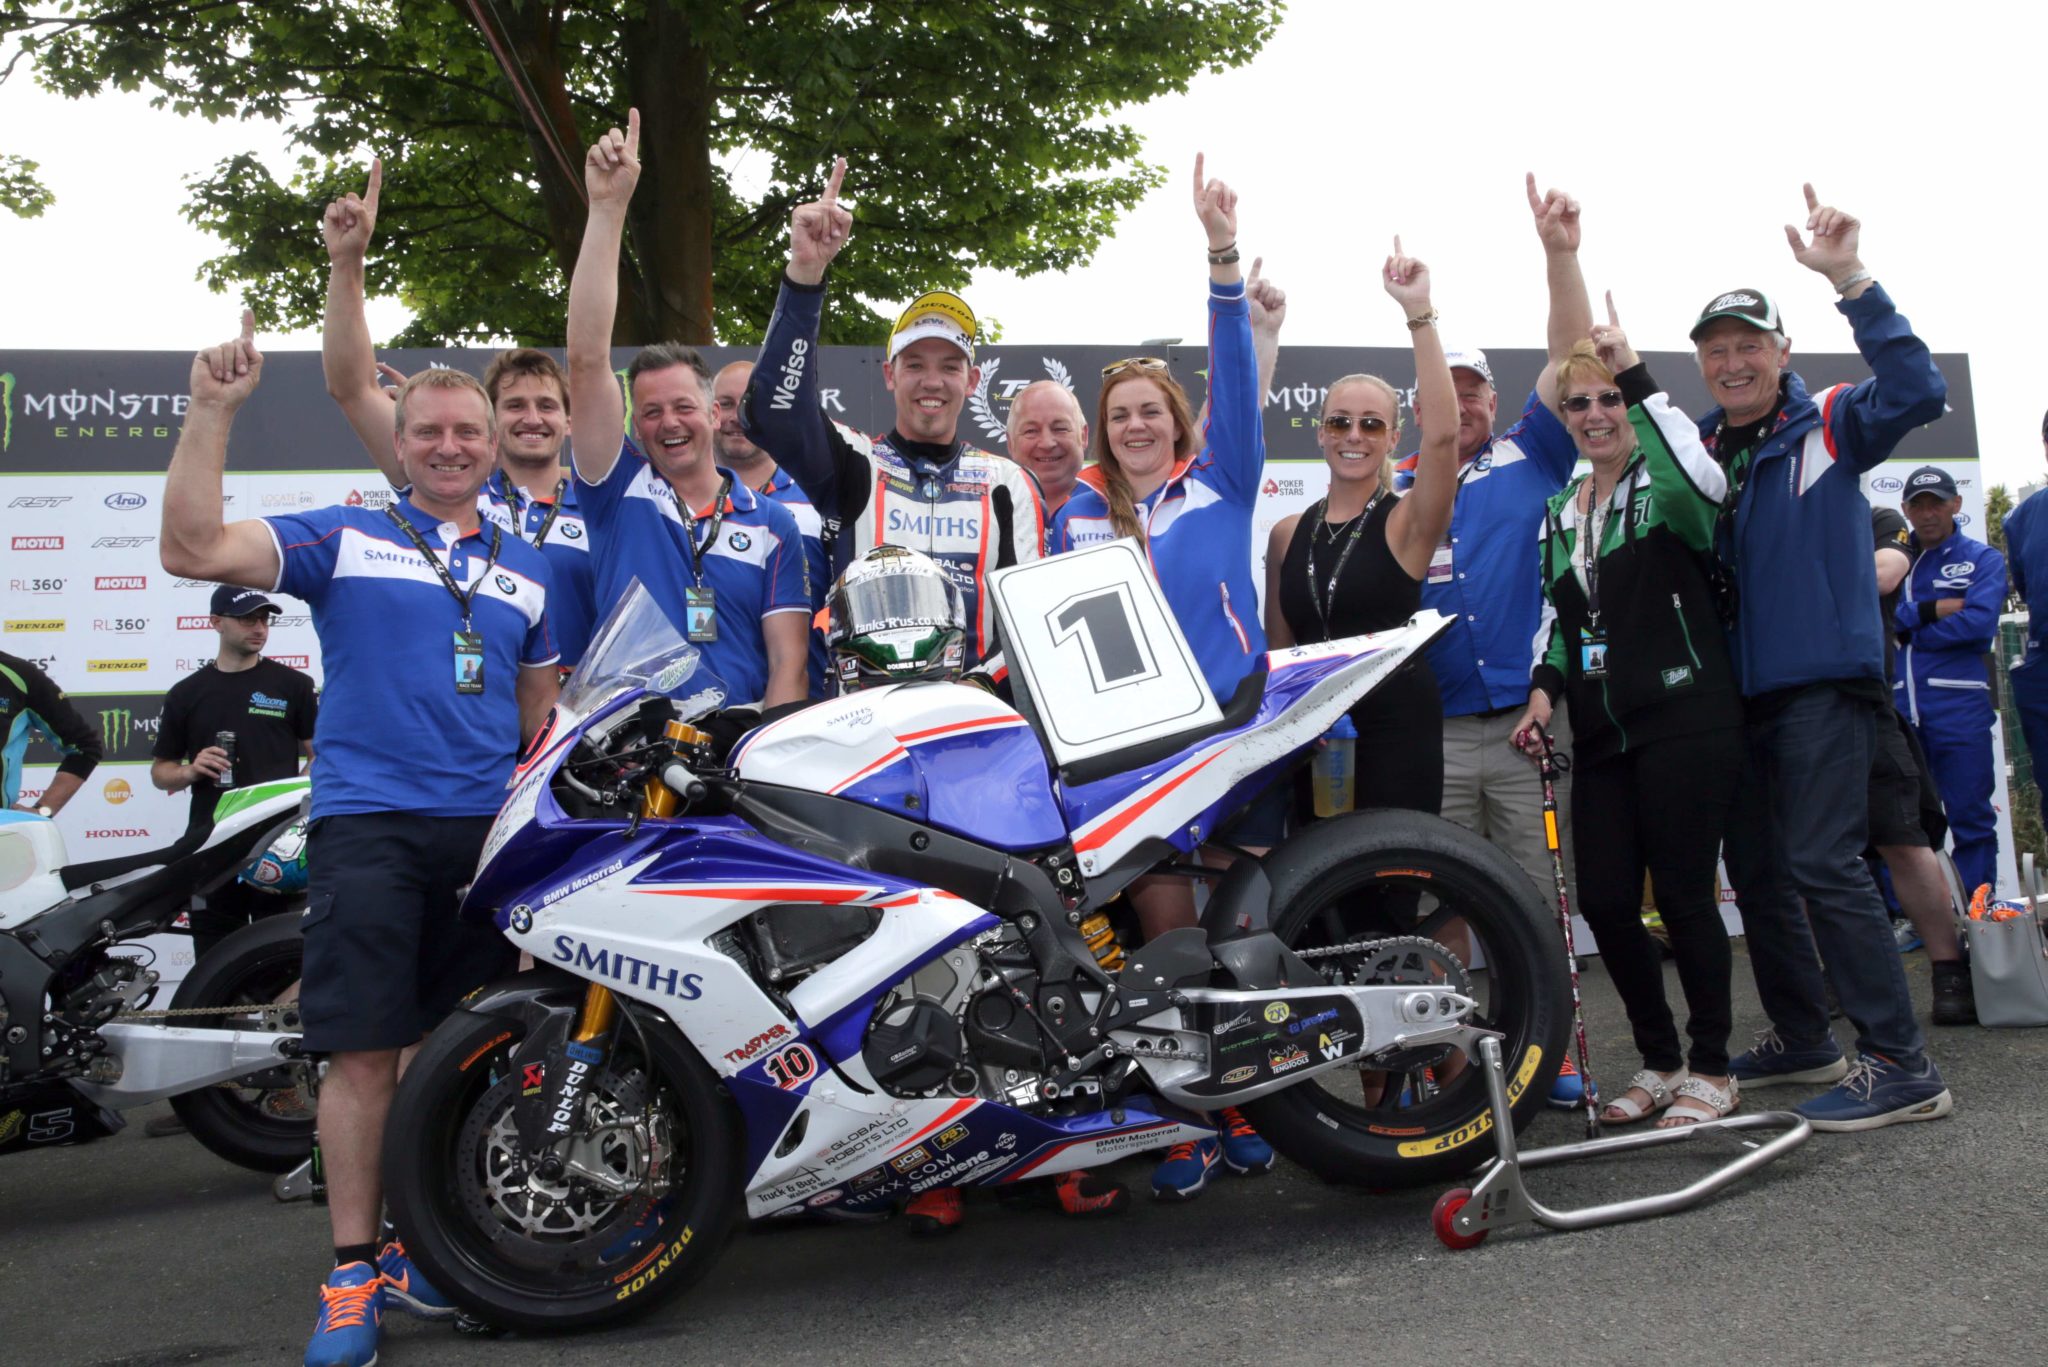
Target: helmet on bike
x=896, y=617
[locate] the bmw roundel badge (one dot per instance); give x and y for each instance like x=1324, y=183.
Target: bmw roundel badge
x=522, y=919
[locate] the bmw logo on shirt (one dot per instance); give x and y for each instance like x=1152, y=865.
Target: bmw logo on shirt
x=505, y=584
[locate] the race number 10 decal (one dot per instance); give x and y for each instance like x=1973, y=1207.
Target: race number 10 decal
x=1104, y=625
x=792, y=1067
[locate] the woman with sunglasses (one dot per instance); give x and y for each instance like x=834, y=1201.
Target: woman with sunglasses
x=1355, y=562
x=1186, y=493
x=1633, y=640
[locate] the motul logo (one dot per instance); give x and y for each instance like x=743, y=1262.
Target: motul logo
x=38, y=543
x=195, y=624
x=295, y=661
x=120, y=581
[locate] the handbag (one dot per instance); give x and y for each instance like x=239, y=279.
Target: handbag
x=2009, y=960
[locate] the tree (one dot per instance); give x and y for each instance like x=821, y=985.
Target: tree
x=980, y=130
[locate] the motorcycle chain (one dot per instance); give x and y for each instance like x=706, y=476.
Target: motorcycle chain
x=272, y=1016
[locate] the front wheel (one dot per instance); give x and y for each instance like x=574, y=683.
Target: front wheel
x=1380, y=874
x=645, y=1207
x=265, y=1120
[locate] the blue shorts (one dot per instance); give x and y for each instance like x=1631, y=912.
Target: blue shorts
x=386, y=957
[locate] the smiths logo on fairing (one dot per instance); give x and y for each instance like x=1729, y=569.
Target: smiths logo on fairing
x=625, y=968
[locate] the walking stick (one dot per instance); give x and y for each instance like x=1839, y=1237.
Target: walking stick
x=1550, y=765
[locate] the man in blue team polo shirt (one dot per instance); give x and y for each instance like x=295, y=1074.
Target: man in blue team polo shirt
x=530, y=493
x=726, y=563
x=434, y=635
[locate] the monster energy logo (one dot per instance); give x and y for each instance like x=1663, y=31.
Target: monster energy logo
x=118, y=726
x=6, y=409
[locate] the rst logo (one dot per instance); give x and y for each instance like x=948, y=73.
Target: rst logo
x=121, y=543
x=40, y=501
x=38, y=543
x=117, y=582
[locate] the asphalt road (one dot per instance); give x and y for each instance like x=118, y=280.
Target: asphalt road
x=1919, y=1243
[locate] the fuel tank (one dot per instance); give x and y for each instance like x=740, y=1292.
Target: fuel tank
x=947, y=754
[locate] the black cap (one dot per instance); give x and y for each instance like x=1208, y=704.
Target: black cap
x=1931, y=479
x=1753, y=307
x=229, y=601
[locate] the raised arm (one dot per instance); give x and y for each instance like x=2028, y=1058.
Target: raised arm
x=196, y=542
x=1905, y=390
x=1419, y=521
x=610, y=171
x=1689, y=484
x=780, y=411
x=1232, y=433
x=1571, y=310
x=1269, y=311
x=347, y=357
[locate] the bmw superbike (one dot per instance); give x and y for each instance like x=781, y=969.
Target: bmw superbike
x=867, y=954
x=78, y=1042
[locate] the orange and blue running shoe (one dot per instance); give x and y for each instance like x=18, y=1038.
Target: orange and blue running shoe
x=1186, y=1170
x=1085, y=1194
x=408, y=1288
x=351, y=1315
x=939, y=1211
x=1571, y=1087
x=1244, y=1153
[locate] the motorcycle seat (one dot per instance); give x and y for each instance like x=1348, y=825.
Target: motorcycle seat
x=1242, y=707
x=78, y=876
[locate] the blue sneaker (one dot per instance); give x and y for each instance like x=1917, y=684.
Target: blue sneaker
x=1571, y=1086
x=1908, y=939
x=351, y=1314
x=1186, y=1171
x=1878, y=1092
x=405, y=1285
x=1244, y=1153
x=1770, y=1062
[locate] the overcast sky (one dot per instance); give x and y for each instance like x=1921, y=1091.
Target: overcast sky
x=1685, y=130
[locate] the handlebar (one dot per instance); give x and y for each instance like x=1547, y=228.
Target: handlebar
x=677, y=775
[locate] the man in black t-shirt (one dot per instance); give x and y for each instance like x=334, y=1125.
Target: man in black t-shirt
x=269, y=707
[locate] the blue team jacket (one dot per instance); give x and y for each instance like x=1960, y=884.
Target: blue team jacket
x=1941, y=660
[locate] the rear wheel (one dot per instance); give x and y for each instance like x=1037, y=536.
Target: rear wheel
x=264, y=1120
x=644, y=1209
x=1377, y=875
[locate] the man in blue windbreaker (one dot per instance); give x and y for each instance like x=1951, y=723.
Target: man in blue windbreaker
x=1795, y=541
x=2026, y=542
x=1947, y=622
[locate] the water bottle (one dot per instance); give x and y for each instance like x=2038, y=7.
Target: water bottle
x=1335, y=769
x=226, y=741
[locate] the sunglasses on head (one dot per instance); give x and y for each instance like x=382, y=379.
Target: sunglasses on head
x=1579, y=403
x=1133, y=363
x=1340, y=423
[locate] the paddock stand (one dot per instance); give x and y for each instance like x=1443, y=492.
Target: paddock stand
x=1500, y=1200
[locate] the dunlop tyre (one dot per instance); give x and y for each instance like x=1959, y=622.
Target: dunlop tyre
x=424, y=1169
x=1318, y=878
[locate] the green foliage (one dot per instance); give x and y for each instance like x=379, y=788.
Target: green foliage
x=20, y=192
x=980, y=133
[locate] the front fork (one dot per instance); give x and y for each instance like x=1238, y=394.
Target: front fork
x=569, y=1077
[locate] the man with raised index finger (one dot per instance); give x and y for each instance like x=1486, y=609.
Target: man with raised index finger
x=1796, y=540
x=432, y=625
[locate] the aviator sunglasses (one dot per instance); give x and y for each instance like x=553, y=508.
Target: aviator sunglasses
x=1579, y=403
x=1133, y=362
x=1368, y=425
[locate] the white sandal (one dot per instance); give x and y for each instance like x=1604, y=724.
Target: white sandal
x=1662, y=1091
x=1698, y=1099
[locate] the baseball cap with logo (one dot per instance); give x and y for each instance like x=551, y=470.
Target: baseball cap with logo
x=1930, y=479
x=935, y=313
x=1474, y=361
x=1753, y=307
x=229, y=601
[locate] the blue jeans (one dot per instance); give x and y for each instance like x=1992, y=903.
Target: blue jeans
x=1800, y=824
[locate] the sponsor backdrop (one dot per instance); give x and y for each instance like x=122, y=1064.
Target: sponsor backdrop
x=86, y=436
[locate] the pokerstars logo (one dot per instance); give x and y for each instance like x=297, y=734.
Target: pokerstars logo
x=195, y=624
x=38, y=543
x=117, y=791
x=117, y=583
x=1284, y=488
x=376, y=500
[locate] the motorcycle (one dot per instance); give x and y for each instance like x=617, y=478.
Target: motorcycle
x=866, y=955
x=78, y=1042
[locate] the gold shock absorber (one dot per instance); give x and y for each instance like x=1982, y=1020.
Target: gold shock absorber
x=599, y=1006
x=657, y=799
x=1101, y=939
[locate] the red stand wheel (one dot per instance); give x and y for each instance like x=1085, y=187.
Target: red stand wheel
x=1445, y=1211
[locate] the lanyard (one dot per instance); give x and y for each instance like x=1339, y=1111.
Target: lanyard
x=540, y=536
x=697, y=551
x=1325, y=604
x=462, y=600
x=1599, y=515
